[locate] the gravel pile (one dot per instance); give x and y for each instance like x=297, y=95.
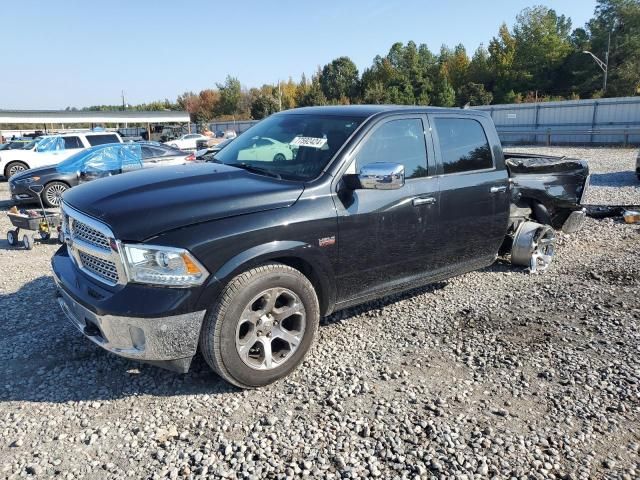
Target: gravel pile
x=613, y=178
x=496, y=373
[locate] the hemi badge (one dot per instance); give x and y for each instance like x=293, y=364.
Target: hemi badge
x=327, y=241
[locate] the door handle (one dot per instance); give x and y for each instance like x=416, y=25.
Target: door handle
x=498, y=189
x=424, y=201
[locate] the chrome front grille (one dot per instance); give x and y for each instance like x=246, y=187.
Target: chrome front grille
x=92, y=246
x=101, y=267
x=82, y=231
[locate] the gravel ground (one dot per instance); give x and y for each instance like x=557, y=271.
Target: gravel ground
x=496, y=373
x=613, y=179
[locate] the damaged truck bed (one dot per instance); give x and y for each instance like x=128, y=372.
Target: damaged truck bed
x=549, y=189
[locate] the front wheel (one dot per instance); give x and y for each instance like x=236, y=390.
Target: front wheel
x=261, y=326
x=52, y=193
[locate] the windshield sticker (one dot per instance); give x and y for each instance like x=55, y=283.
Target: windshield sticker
x=308, y=142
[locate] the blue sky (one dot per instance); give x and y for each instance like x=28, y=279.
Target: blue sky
x=78, y=53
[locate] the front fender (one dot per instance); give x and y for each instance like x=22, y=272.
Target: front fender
x=310, y=259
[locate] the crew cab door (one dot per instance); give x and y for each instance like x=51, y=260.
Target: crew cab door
x=387, y=237
x=474, y=189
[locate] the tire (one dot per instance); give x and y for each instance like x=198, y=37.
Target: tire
x=234, y=346
x=12, y=238
x=52, y=193
x=27, y=241
x=14, y=167
x=279, y=157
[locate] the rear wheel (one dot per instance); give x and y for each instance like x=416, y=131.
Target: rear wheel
x=261, y=326
x=15, y=167
x=533, y=246
x=52, y=193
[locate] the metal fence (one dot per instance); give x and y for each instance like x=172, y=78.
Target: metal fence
x=607, y=121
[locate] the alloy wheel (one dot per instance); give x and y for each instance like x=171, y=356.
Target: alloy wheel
x=16, y=168
x=543, y=250
x=270, y=329
x=54, y=194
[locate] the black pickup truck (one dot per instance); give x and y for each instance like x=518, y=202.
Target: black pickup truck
x=310, y=211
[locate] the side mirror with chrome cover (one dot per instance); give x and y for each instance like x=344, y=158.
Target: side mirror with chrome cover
x=381, y=176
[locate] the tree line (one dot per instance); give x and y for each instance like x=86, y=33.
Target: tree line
x=540, y=58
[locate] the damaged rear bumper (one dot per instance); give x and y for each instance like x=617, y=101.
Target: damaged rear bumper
x=574, y=221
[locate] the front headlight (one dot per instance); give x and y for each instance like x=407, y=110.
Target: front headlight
x=27, y=181
x=168, y=266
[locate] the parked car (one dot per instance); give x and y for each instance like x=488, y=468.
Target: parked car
x=187, y=142
x=264, y=149
x=16, y=144
x=51, y=149
x=242, y=257
x=91, y=164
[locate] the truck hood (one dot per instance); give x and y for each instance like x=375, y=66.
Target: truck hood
x=141, y=204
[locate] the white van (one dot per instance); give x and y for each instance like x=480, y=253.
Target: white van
x=51, y=149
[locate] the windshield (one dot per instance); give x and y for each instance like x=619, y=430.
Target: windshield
x=32, y=143
x=291, y=146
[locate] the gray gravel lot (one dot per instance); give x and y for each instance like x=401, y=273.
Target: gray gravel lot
x=496, y=373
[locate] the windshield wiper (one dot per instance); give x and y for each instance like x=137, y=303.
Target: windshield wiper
x=253, y=169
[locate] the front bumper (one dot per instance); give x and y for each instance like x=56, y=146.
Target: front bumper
x=167, y=341
x=21, y=194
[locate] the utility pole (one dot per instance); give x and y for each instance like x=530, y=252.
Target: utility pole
x=279, y=97
x=123, y=104
x=606, y=64
x=603, y=65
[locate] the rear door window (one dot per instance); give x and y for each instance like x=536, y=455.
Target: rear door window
x=463, y=145
x=72, y=142
x=102, y=139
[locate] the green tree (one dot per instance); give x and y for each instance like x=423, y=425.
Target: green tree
x=474, y=94
x=340, y=79
x=479, y=70
x=542, y=45
x=263, y=105
x=230, y=92
x=456, y=66
x=312, y=94
x=620, y=19
x=443, y=93
x=502, y=51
